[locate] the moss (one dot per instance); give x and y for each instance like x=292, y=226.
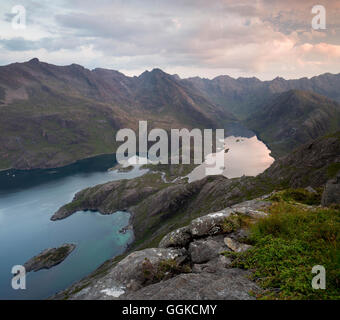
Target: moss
x=164, y=270
x=74, y=205
x=231, y=224
x=333, y=169
x=298, y=195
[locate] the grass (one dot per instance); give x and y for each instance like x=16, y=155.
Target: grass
x=333, y=169
x=164, y=270
x=286, y=246
x=299, y=195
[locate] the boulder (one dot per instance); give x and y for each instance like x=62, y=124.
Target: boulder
x=229, y=284
x=131, y=268
x=215, y=265
x=235, y=245
x=204, y=250
x=129, y=274
x=178, y=238
x=210, y=224
x=331, y=193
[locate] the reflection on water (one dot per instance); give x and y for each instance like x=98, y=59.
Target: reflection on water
x=245, y=156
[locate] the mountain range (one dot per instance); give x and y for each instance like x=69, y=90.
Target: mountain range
x=51, y=115
x=293, y=118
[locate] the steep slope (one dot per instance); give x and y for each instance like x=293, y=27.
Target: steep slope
x=53, y=115
x=163, y=94
x=159, y=208
x=293, y=118
x=244, y=96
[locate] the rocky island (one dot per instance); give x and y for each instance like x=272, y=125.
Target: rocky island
x=49, y=258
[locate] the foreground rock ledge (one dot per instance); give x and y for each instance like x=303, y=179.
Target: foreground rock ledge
x=188, y=264
x=49, y=258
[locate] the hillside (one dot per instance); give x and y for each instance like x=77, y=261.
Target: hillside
x=53, y=115
x=158, y=208
x=157, y=205
x=245, y=96
x=294, y=117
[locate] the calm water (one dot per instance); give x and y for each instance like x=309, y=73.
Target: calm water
x=247, y=155
x=28, y=200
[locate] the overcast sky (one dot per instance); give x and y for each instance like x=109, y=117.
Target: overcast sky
x=244, y=38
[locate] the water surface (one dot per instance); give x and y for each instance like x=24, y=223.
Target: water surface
x=26, y=205
x=246, y=155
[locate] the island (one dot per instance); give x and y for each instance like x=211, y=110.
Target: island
x=49, y=258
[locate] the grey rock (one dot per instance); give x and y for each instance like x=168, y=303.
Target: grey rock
x=229, y=284
x=331, y=193
x=235, y=245
x=131, y=268
x=219, y=263
x=209, y=224
x=178, y=238
x=204, y=250
x=240, y=234
x=127, y=275
x=253, y=208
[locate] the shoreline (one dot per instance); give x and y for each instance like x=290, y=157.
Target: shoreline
x=58, y=167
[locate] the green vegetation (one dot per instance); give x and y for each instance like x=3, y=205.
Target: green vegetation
x=164, y=270
x=298, y=195
x=333, y=169
x=286, y=246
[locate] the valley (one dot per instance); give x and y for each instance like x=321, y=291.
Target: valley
x=51, y=116
x=59, y=180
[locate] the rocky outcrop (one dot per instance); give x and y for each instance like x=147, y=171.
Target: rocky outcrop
x=178, y=217
x=331, y=193
x=188, y=264
x=201, y=251
x=130, y=274
x=229, y=284
x=308, y=165
x=236, y=246
x=107, y=198
x=49, y=258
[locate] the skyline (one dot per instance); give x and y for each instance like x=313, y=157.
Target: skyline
x=263, y=39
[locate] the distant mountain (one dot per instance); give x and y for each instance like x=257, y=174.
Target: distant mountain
x=293, y=118
x=53, y=115
x=245, y=96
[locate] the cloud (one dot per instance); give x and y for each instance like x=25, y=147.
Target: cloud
x=190, y=37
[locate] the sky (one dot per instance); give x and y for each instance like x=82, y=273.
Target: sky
x=206, y=38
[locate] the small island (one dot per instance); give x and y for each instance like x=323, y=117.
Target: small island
x=49, y=258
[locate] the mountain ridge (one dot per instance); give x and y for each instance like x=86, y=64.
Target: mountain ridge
x=51, y=115
x=294, y=117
